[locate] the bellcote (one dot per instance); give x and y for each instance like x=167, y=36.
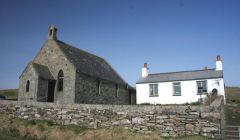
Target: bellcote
x=52, y=33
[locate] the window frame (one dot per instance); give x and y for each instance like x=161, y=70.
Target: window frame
x=203, y=91
x=153, y=90
x=177, y=84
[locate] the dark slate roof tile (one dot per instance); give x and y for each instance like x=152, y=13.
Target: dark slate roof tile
x=90, y=64
x=181, y=76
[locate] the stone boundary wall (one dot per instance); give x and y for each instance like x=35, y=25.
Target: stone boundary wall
x=167, y=121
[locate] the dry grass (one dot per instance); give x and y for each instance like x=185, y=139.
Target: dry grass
x=233, y=94
x=42, y=130
x=232, y=108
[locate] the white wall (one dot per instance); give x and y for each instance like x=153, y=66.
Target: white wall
x=165, y=92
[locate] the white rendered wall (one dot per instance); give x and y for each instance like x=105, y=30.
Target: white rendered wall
x=165, y=92
x=144, y=72
x=219, y=65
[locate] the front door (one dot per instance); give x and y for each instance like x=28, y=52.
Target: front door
x=51, y=87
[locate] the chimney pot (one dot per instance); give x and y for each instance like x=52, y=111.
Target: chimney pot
x=144, y=70
x=219, y=63
x=218, y=58
x=145, y=65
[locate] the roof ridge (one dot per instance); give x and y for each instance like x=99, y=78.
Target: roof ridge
x=180, y=71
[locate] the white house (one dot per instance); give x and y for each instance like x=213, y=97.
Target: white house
x=179, y=87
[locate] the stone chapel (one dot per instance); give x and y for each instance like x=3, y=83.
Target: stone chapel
x=64, y=74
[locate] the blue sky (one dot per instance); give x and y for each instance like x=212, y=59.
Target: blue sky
x=170, y=35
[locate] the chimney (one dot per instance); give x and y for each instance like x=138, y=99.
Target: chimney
x=52, y=33
x=219, y=63
x=145, y=65
x=205, y=68
x=218, y=58
x=144, y=70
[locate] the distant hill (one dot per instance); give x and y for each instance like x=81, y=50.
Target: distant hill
x=232, y=94
x=10, y=94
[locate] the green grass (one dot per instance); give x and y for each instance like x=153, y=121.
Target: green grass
x=232, y=115
x=4, y=136
x=43, y=125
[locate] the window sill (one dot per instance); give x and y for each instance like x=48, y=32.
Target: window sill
x=177, y=95
x=153, y=96
x=204, y=93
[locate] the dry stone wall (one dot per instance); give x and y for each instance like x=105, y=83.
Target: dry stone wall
x=167, y=121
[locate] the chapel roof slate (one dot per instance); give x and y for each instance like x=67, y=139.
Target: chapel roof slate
x=181, y=76
x=90, y=64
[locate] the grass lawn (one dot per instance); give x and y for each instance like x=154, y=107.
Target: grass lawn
x=9, y=137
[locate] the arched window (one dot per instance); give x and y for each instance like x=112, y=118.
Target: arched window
x=60, y=80
x=116, y=90
x=98, y=84
x=27, y=86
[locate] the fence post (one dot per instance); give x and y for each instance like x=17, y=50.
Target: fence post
x=222, y=122
x=219, y=131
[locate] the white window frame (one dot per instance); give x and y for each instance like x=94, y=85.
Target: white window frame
x=177, y=84
x=152, y=91
x=202, y=86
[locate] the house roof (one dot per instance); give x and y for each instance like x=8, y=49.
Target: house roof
x=43, y=71
x=181, y=76
x=90, y=64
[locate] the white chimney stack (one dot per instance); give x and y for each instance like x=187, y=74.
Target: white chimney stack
x=145, y=70
x=219, y=63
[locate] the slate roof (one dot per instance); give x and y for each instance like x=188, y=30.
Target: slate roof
x=43, y=71
x=181, y=76
x=90, y=64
